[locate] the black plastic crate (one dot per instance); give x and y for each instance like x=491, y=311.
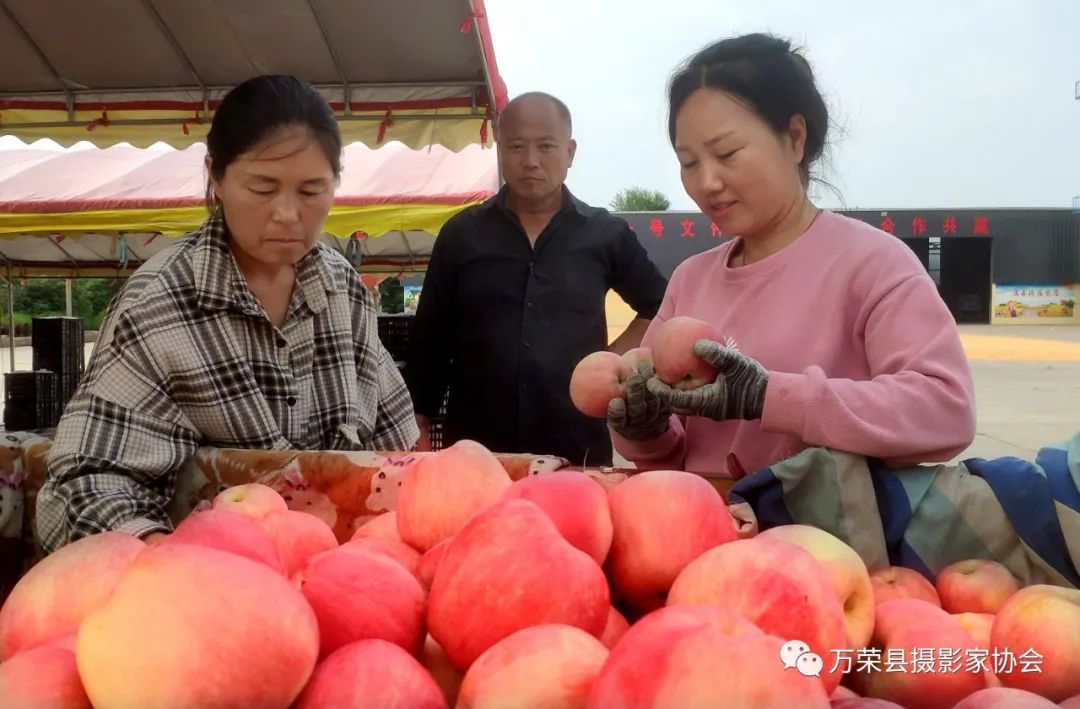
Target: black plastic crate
x=435, y=432
x=58, y=345
x=66, y=385
x=436, y=429
x=30, y=400
x=394, y=333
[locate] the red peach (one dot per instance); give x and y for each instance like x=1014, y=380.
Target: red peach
x=975, y=586
x=384, y=526
x=227, y=531
x=900, y=582
x=508, y=569
x=400, y=552
x=596, y=380
x=441, y=492
x=448, y=677
x=58, y=592
x=541, y=666
x=707, y=656
x=43, y=677
x=903, y=628
x=776, y=585
x=253, y=500
x=978, y=626
x=638, y=356
x=231, y=632
x=846, y=572
x=371, y=673
x=575, y=503
x=842, y=692
x=298, y=536
x=429, y=562
x=674, y=360
x=359, y=594
x=1040, y=627
x=614, y=630
x=662, y=520
x=1004, y=698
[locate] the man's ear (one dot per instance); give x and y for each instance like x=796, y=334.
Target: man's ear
x=573, y=151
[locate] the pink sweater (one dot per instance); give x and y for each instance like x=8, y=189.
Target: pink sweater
x=863, y=356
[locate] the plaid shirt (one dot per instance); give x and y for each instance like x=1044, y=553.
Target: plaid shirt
x=188, y=357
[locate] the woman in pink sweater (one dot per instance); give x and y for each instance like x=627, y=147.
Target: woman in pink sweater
x=834, y=334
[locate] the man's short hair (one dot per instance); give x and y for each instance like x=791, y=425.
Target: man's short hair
x=564, y=110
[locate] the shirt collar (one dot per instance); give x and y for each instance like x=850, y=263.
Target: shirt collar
x=570, y=203
x=220, y=285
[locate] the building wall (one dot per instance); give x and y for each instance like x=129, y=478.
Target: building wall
x=1047, y=251
x=1030, y=245
x=1037, y=249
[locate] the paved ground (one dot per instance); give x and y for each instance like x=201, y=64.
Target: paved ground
x=1027, y=382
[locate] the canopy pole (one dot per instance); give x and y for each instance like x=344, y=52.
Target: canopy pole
x=67, y=295
x=11, y=318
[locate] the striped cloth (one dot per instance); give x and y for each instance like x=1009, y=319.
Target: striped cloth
x=1025, y=515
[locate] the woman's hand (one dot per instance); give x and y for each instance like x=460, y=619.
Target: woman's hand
x=642, y=416
x=737, y=394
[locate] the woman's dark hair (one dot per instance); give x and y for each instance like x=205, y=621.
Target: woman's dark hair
x=252, y=111
x=766, y=73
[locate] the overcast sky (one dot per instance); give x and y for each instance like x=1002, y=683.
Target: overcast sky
x=960, y=104
x=940, y=104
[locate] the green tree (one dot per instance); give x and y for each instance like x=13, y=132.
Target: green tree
x=90, y=298
x=639, y=199
x=40, y=296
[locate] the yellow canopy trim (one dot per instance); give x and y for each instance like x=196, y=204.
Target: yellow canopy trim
x=373, y=220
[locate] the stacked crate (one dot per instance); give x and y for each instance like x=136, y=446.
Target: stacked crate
x=58, y=347
x=30, y=401
x=394, y=331
x=436, y=429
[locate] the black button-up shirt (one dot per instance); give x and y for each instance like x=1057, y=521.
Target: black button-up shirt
x=503, y=323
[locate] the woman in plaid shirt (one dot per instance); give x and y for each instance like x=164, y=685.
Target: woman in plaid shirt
x=244, y=334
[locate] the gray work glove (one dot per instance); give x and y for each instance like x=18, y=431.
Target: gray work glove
x=737, y=394
x=642, y=416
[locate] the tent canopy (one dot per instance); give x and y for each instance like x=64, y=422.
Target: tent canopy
x=103, y=212
x=420, y=72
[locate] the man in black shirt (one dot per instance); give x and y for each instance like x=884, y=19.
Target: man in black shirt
x=513, y=299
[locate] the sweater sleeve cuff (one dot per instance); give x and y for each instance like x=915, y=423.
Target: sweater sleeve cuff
x=652, y=449
x=142, y=526
x=786, y=397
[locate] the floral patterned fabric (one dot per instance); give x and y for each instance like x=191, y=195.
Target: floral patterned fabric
x=343, y=488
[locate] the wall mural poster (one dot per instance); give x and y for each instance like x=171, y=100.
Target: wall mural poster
x=1034, y=302
x=412, y=299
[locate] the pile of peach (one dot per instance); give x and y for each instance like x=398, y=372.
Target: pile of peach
x=552, y=591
